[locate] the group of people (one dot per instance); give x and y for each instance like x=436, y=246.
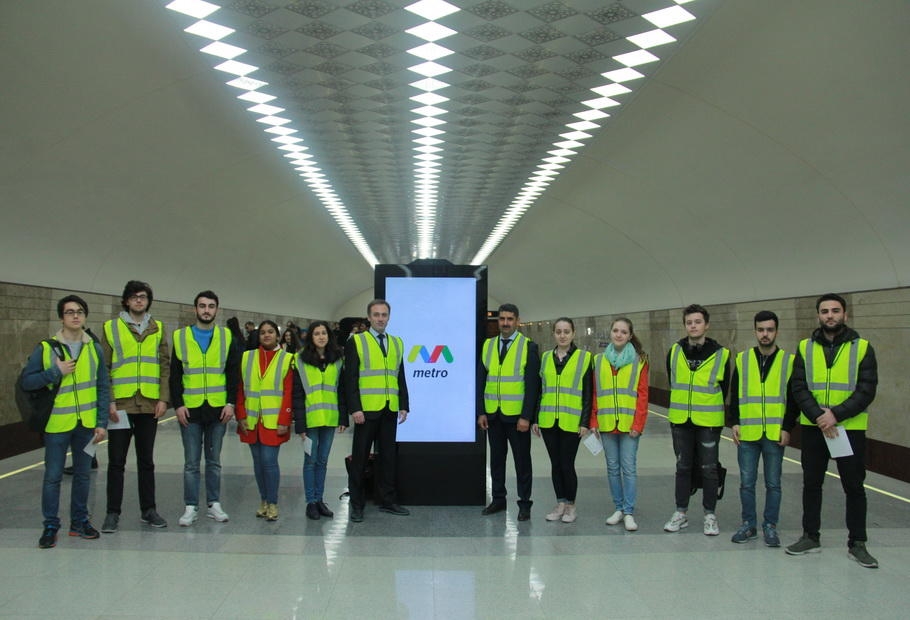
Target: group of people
x=761, y=393
x=561, y=396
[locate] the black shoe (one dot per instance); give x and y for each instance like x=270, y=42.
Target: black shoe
x=356, y=515
x=111, y=522
x=84, y=530
x=69, y=470
x=324, y=510
x=524, y=514
x=48, y=538
x=151, y=517
x=395, y=509
x=493, y=508
x=312, y=511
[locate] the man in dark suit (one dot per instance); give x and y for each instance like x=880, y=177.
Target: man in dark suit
x=509, y=372
x=377, y=396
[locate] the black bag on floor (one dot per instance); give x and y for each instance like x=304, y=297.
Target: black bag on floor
x=697, y=478
x=35, y=406
x=370, y=479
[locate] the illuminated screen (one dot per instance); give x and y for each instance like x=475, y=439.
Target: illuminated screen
x=437, y=319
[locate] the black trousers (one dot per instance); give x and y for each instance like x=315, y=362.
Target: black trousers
x=383, y=427
x=562, y=447
x=852, y=470
x=501, y=435
x=690, y=440
x=144, y=427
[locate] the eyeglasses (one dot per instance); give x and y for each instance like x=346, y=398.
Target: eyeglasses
x=138, y=296
x=74, y=313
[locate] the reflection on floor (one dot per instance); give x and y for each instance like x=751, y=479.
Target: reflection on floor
x=443, y=562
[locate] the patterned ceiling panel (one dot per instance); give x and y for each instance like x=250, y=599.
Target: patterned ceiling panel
x=520, y=70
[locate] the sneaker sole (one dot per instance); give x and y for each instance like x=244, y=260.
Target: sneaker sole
x=744, y=540
x=182, y=524
x=863, y=564
x=681, y=527
x=150, y=524
x=216, y=519
x=109, y=531
x=813, y=550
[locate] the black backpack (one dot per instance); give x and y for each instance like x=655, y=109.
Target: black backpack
x=35, y=406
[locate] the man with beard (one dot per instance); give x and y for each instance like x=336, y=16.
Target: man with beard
x=204, y=379
x=761, y=414
x=835, y=376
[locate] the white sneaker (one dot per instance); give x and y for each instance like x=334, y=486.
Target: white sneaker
x=557, y=513
x=711, y=527
x=678, y=521
x=215, y=512
x=614, y=518
x=190, y=515
x=570, y=515
x=630, y=523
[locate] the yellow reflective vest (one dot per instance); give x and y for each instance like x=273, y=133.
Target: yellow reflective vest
x=832, y=386
x=378, y=373
x=77, y=399
x=561, y=394
x=135, y=366
x=505, y=387
x=696, y=394
x=617, y=395
x=762, y=404
x=203, y=373
x=321, y=387
x=263, y=392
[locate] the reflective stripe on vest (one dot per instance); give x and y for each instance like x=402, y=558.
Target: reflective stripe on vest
x=561, y=398
x=203, y=373
x=378, y=373
x=263, y=392
x=832, y=386
x=321, y=387
x=77, y=399
x=696, y=395
x=762, y=404
x=135, y=366
x=505, y=392
x=617, y=395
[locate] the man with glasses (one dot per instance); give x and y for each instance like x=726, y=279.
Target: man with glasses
x=205, y=375
x=71, y=361
x=136, y=351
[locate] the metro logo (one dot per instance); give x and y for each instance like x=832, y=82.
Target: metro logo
x=431, y=358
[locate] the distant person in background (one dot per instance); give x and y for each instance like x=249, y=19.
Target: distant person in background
x=251, y=340
x=289, y=341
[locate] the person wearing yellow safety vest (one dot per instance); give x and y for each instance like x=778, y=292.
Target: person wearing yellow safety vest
x=509, y=371
x=136, y=351
x=377, y=397
x=835, y=377
x=762, y=414
x=78, y=418
x=699, y=372
x=269, y=394
x=619, y=414
x=564, y=413
x=205, y=374
x=319, y=365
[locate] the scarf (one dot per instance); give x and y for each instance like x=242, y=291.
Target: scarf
x=618, y=359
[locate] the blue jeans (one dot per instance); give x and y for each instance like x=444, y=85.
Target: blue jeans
x=316, y=463
x=266, y=470
x=772, y=457
x=620, y=451
x=55, y=446
x=195, y=437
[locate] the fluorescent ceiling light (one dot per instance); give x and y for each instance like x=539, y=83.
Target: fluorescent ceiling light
x=193, y=8
x=550, y=166
x=265, y=109
x=582, y=125
x=562, y=152
x=623, y=75
x=633, y=59
x=599, y=103
x=611, y=90
x=568, y=144
x=430, y=51
x=428, y=131
x=237, y=68
x=432, y=9
x=429, y=69
x=431, y=31
x=294, y=148
x=209, y=30
x=591, y=115
x=556, y=160
x=429, y=98
x=428, y=157
x=428, y=141
x=428, y=122
x=650, y=39
x=575, y=135
x=255, y=97
x=428, y=84
x=222, y=50
x=287, y=140
x=273, y=120
x=246, y=83
x=429, y=110
x=427, y=149
x=281, y=131
x=670, y=16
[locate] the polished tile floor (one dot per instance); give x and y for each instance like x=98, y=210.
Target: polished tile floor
x=443, y=562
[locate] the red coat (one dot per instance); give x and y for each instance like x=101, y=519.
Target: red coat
x=260, y=434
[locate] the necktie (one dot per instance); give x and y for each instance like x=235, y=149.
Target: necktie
x=382, y=344
x=503, y=348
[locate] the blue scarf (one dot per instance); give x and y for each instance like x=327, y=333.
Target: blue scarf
x=618, y=359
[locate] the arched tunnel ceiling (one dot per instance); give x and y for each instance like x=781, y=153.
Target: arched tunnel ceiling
x=765, y=156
